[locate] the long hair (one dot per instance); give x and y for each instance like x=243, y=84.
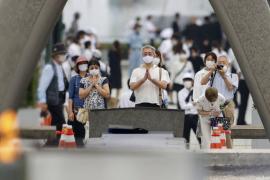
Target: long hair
x=159, y=55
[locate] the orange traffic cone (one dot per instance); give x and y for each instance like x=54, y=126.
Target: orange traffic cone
x=215, y=139
x=63, y=136
x=222, y=136
x=70, y=139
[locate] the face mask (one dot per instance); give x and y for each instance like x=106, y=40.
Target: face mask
x=210, y=64
x=94, y=72
x=83, y=67
x=188, y=84
x=82, y=42
x=148, y=59
x=156, y=61
x=225, y=68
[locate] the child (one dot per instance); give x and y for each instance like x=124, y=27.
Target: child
x=208, y=106
x=186, y=104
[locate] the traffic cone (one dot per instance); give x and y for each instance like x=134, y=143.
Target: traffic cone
x=222, y=136
x=215, y=139
x=70, y=139
x=63, y=136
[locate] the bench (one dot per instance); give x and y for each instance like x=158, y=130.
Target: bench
x=248, y=132
x=40, y=132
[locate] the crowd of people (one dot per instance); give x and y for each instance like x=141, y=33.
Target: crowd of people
x=189, y=68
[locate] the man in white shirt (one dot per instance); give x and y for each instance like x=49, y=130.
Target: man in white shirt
x=208, y=106
x=186, y=104
x=145, y=80
x=226, y=84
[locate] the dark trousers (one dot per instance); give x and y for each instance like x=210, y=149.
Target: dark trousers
x=146, y=105
x=191, y=122
x=79, y=131
x=58, y=120
x=244, y=93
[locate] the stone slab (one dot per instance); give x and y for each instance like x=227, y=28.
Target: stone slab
x=248, y=132
x=246, y=24
x=25, y=26
x=151, y=119
x=42, y=132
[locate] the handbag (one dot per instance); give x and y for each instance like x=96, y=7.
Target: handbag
x=161, y=102
x=83, y=115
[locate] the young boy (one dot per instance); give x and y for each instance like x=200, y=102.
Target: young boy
x=186, y=104
x=208, y=106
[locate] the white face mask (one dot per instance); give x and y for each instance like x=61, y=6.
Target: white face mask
x=62, y=58
x=83, y=67
x=156, y=61
x=210, y=64
x=188, y=84
x=82, y=42
x=94, y=72
x=148, y=59
x=225, y=68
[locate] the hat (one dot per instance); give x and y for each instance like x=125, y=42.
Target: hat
x=166, y=33
x=81, y=59
x=187, y=76
x=58, y=48
x=97, y=54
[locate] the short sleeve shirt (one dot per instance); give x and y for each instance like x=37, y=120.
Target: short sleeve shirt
x=94, y=100
x=148, y=92
x=221, y=86
x=205, y=105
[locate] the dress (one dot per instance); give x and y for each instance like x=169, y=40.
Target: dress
x=94, y=100
x=115, y=67
x=135, y=44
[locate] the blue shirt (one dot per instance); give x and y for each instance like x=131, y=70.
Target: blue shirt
x=46, y=79
x=74, y=87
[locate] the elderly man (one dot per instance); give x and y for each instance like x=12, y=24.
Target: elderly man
x=226, y=83
x=147, y=81
x=52, y=89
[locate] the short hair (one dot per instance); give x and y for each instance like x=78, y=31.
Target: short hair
x=93, y=62
x=223, y=56
x=213, y=55
x=211, y=94
x=148, y=47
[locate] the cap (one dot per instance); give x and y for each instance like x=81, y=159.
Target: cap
x=166, y=33
x=188, y=76
x=59, y=48
x=81, y=59
x=97, y=54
